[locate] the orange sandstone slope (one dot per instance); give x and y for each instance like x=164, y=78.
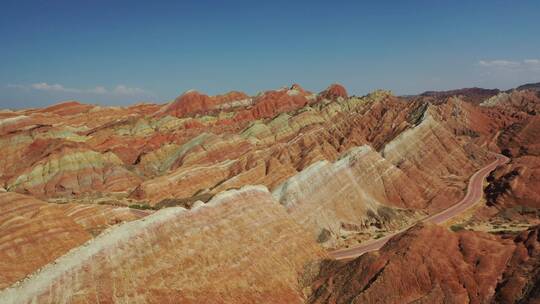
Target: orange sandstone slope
x=359, y=192
x=252, y=252
x=33, y=233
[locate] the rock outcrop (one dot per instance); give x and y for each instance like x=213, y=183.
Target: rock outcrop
x=67, y=108
x=33, y=234
x=193, y=102
x=526, y=101
x=431, y=155
x=426, y=264
x=240, y=247
x=69, y=171
x=334, y=91
x=95, y=218
x=513, y=191
x=270, y=103
x=361, y=190
x=519, y=283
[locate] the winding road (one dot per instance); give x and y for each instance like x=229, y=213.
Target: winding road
x=474, y=193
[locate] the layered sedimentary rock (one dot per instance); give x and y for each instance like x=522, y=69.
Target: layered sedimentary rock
x=358, y=192
x=184, y=182
x=251, y=252
x=33, y=234
x=341, y=169
x=431, y=155
x=67, y=108
x=514, y=189
x=270, y=103
x=426, y=264
x=515, y=184
x=468, y=121
x=206, y=148
x=524, y=101
x=334, y=91
x=519, y=283
x=521, y=138
x=68, y=171
x=193, y=102
x=95, y=218
x=281, y=132
x=14, y=122
x=278, y=134
x=283, y=146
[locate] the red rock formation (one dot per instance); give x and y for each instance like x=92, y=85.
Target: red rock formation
x=67, y=108
x=521, y=138
x=426, y=264
x=334, y=91
x=193, y=102
x=95, y=218
x=526, y=101
x=22, y=122
x=241, y=247
x=519, y=283
x=359, y=190
x=271, y=103
x=70, y=171
x=517, y=184
x=416, y=155
x=33, y=234
x=435, y=158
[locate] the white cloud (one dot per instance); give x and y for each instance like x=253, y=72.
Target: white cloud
x=523, y=65
x=119, y=90
x=43, y=86
x=499, y=63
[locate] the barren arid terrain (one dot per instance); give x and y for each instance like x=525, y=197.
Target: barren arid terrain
x=287, y=196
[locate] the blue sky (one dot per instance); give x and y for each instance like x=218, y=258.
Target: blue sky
x=122, y=52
